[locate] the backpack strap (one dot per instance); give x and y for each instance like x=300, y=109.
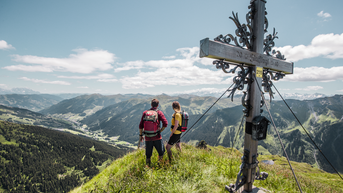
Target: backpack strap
x=180, y=124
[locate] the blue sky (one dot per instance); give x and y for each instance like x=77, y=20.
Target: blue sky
x=111, y=47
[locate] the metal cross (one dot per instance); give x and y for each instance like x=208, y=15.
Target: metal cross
x=248, y=55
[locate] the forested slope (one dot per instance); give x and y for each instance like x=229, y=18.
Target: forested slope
x=36, y=159
x=24, y=116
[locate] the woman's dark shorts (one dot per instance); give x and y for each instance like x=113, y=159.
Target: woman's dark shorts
x=149, y=145
x=175, y=138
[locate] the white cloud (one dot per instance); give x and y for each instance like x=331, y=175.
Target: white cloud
x=28, y=68
x=192, y=75
x=83, y=61
x=324, y=45
x=205, y=90
x=3, y=86
x=4, y=45
x=310, y=88
x=85, y=87
x=99, y=76
x=189, y=57
x=44, y=81
x=315, y=73
x=323, y=15
x=108, y=80
x=130, y=65
x=182, y=72
x=169, y=57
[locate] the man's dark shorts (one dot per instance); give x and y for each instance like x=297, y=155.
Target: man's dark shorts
x=158, y=144
x=175, y=138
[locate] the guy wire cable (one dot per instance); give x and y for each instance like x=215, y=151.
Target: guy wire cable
x=239, y=129
x=270, y=115
x=205, y=112
x=233, y=145
x=307, y=133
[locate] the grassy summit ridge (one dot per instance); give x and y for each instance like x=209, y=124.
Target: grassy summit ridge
x=200, y=170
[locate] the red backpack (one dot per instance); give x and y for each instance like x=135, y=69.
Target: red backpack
x=151, y=123
x=184, y=121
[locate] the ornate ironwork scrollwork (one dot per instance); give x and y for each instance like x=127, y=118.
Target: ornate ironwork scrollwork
x=222, y=64
x=267, y=83
x=243, y=31
x=278, y=54
x=239, y=81
x=269, y=42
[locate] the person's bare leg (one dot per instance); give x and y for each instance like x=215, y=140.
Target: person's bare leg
x=178, y=145
x=169, y=151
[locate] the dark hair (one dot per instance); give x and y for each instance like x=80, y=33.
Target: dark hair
x=155, y=102
x=176, y=106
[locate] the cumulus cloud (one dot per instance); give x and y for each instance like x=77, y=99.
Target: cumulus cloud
x=315, y=73
x=189, y=57
x=4, y=45
x=323, y=15
x=169, y=57
x=84, y=61
x=192, y=75
x=205, y=91
x=310, y=88
x=108, y=80
x=45, y=81
x=99, y=77
x=28, y=68
x=324, y=45
x=85, y=87
x=182, y=71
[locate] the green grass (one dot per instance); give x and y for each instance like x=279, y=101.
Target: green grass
x=198, y=170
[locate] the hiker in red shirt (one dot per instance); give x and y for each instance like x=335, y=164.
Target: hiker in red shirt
x=150, y=127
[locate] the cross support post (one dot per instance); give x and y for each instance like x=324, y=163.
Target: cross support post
x=255, y=93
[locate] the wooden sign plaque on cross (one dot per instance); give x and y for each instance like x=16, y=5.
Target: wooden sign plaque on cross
x=234, y=54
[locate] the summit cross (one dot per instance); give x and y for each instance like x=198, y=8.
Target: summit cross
x=250, y=56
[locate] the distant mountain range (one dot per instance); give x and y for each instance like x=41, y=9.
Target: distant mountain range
x=202, y=92
x=33, y=102
x=118, y=116
x=18, y=91
x=321, y=117
x=77, y=108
